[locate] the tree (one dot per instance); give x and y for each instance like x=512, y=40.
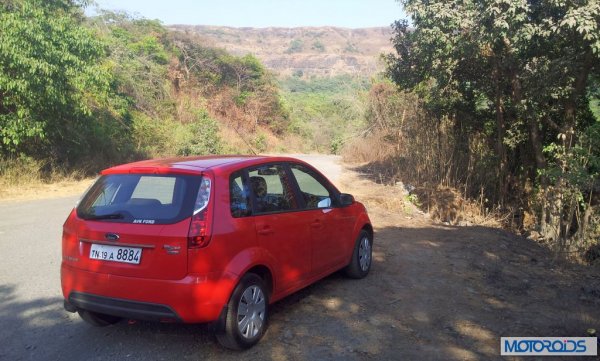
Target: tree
x=51, y=74
x=517, y=72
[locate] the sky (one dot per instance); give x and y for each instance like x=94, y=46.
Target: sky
x=263, y=13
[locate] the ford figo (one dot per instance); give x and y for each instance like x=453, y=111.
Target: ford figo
x=208, y=240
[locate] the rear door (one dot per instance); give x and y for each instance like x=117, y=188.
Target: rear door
x=279, y=227
x=136, y=225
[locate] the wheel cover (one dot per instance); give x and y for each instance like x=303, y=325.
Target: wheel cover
x=364, y=254
x=251, y=312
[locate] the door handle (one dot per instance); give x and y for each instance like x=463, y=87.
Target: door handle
x=267, y=230
x=317, y=224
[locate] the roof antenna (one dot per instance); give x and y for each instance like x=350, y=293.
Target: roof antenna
x=244, y=140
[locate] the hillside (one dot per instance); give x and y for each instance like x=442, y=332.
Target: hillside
x=81, y=93
x=304, y=51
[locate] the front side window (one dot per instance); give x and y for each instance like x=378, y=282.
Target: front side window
x=140, y=198
x=314, y=193
x=271, y=188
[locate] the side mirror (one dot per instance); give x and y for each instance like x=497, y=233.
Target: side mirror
x=324, y=203
x=346, y=199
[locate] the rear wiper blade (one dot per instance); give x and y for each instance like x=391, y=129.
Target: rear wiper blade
x=107, y=216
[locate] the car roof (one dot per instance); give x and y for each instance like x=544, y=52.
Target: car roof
x=192, y=165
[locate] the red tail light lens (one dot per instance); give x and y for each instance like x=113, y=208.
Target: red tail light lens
x=199, y=234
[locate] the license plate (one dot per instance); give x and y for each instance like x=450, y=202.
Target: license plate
x=116, y=253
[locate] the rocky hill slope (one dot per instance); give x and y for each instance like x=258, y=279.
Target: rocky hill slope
x=304, y=51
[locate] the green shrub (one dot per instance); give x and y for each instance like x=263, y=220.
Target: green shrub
x=318, y=46
x=199, y=137
x=149, y=46
x=296, y=46
x=260, y=142
x=336, y=144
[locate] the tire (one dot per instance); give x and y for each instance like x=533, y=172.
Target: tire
x=362, y=257
x=246, y=317
x=98, y=319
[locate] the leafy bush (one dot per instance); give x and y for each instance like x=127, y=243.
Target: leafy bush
x=260, y=143
x=351, y=48
x=318, y=46
x=199, y=137
x=296, y=46
x=51, y=75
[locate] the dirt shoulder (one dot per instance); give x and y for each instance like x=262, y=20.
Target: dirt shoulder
x=446, y=292
x=33, y=191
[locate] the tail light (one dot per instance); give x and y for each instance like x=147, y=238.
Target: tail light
x=200, y=232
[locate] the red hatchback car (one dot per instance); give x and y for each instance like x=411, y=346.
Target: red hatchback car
x=208, y=239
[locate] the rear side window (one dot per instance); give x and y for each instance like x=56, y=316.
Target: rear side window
x=140, y=198
x=239, y=201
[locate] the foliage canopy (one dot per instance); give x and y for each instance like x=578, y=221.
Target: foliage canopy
x=78, y=91
x=521, y=75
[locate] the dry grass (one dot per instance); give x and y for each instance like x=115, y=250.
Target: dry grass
x=441, y=203
x=371, y=148
x=23, y=179
x=41, y=190
x=261, y=141
x=374, y=195
x=446, y=204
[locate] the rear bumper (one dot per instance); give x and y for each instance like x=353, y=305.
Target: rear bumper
x=193, y=299
x=122, y=308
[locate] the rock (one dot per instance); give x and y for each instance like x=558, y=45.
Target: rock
x=534, y=235
x=374, y=321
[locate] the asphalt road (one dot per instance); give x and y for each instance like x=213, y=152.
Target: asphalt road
x=32, y=321
x=33, y=324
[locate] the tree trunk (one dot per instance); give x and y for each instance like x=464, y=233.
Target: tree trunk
x=536, y=144
x=579, y=87
x=500, y=133
x=551, y=220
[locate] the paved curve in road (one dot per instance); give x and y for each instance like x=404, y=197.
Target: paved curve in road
x=33, y=324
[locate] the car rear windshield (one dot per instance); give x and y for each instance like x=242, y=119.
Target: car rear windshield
x=140, y=198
